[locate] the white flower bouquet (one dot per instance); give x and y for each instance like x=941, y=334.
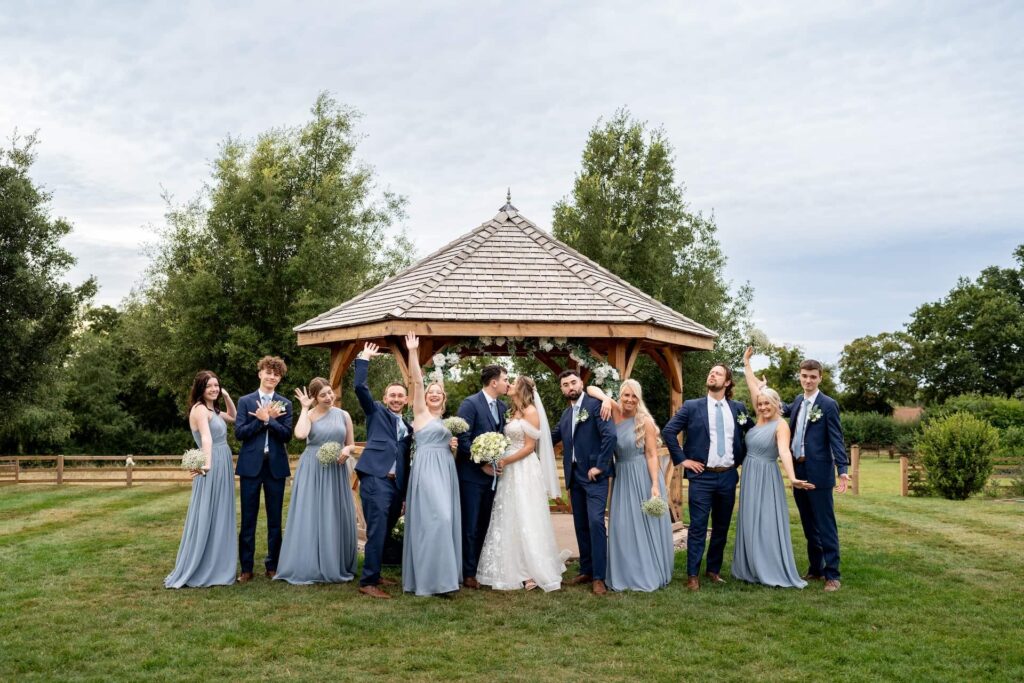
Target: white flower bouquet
x=398, y=533
x=655, y=507
x=456, y=425
x=489, y=448
x=328, y=453
x=759, y=341
x=193, y=459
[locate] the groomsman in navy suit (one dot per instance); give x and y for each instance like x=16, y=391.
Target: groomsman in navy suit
x=587, y=445
x=483, y=412
x=714, y=447
x=383, y=469
x=264, y=426
x=818, y=453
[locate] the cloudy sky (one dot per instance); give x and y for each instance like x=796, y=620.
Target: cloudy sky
x=858, y=156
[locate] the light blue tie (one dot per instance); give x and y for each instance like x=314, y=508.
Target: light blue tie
x=720, y=428
x=494, y=411
x=798, y=438
x=266, y=437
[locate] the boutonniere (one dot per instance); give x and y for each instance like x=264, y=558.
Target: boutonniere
x=279, y=405
x=814, y=415
x=582, y=416
x=742, y=419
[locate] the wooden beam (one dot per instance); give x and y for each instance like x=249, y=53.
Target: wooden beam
x=341, y=357
x=398, y=351
x=632, y=351
x=549, y=362
x=617, y=357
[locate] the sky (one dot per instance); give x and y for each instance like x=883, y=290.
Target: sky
x=858, y=157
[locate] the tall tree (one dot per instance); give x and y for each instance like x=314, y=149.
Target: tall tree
x=877, y=372
x=973, y=339
x=627, y=212
x=38, y=308
x=287, y=229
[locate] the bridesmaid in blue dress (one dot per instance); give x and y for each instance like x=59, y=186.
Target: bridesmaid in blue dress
x=432, y=552
x=320, y=534
x=764, y=550
x=641, y=554
x=207, y=555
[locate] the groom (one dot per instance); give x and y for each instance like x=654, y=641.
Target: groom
x=587, y=443
x=483, y=412
x=714, y=447
x=264, y=426
x=818, y=452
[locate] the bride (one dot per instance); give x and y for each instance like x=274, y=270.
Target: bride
x=519, y=550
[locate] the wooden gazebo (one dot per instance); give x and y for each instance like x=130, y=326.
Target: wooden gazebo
x=508, y=278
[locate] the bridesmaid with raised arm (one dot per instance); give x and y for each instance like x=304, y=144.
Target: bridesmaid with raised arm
x=641, y=554
x=320, y=533
x=432, y=552
x=206, y=554
x=763, y=552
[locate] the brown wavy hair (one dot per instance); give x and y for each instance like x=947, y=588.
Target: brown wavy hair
x=275, y=363
x=316, y=385
x=521, y=393
x=195, y=396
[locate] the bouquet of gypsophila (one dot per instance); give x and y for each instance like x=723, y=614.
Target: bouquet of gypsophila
x=655, y=507
x=456, y=425
x=329, y=453
x=489, y=448
x=398, y=533
x=759, y=341
x=193, y=459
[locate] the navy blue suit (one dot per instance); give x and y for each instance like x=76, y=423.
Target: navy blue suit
x=475, y=495
x=591, y=444
x=712, y=494
x=381, y=496
x=825, y=452
x=262, y=464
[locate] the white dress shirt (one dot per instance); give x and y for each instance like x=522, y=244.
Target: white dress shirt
x=713, y=459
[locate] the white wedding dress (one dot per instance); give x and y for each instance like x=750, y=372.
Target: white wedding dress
x=520, y=543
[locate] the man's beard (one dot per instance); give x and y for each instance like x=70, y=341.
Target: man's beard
x=574, y=395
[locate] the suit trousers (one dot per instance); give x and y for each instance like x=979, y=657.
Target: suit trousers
x=589, y=501
x=818, y=518
x=382, y=506
x=476, y=501
x=273, y=499
x=711, y=494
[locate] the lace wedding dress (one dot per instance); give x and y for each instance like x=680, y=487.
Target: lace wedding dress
x=520, y=543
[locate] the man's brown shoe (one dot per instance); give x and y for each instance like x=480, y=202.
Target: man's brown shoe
x=832, y=585
x=692, y=583
x=374, y=592
x=271, y=573
x=812, y=577
x=714, y=578
x=245, y=577
x=599, y=588
x=471, y=582
x=387, y=582
x=580, y=578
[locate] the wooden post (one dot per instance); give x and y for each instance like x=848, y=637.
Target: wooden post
x=17, y=468
x=128, y=467
x=904, y=484
x=60, y=468
x=341, y=357
x=855, y=469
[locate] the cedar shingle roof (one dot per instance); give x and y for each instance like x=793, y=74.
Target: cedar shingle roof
x=507, y=270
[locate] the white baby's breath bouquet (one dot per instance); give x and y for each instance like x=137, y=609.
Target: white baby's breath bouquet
x=193, y=459
x=655, y=507
x=759, y=340
x=489, y=448
x=398, y=533
x=456, y=425
x=329, y=453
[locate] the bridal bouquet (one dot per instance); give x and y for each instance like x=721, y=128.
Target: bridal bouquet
x=329, y=453
x=488, y=448
x=398, y=533
x=655, y=507
x=193, y=459
x=456, y=425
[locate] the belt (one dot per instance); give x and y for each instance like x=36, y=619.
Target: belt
x=800, y=459
x=720, y=469
x=392, y=476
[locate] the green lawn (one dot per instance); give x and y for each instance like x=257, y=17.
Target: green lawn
x=932, y=590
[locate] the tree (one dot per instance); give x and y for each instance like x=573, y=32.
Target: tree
x=973, y=339
x=626, y=212
x=286, y=230
x=878, y=372
x=38, y=309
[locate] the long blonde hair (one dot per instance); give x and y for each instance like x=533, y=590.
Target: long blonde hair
x=642, y=413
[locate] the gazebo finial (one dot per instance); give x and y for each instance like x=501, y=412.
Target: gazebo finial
x=508, y=202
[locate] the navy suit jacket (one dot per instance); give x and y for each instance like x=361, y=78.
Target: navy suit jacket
x=592, y=443
x=823, y=441
x=475, y=411
x=250, y=431
x=693, y=420
x=383, y=448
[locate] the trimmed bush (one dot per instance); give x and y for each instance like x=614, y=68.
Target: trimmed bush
x=957, y=454
x=998, y=411
x=874, y=430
